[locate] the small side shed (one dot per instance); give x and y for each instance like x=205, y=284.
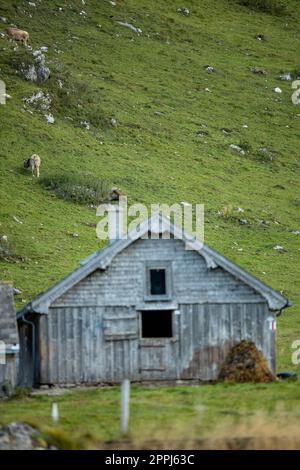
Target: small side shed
x=9, y=340
x=154, y=306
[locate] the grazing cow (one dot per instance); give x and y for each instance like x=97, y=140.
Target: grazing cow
x=34, y=162
x=17, y=35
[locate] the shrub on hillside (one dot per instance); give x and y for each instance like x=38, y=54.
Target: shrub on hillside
x=20, y=60
x=7, y=253
x=273, y=7
x=81, y=189
x=76, y=100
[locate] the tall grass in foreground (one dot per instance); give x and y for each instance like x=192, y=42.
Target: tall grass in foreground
x=219, y=416
x=258, y=430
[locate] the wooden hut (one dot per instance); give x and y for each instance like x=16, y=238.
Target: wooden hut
x=146, y=308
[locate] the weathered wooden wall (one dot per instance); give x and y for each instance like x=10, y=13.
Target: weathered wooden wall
x=27, y=375
x=82, y=345
x=92, y=333
x=211, y=330
x=8, y=333
x=123, y=282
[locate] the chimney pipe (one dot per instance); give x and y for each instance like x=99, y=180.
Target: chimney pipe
x=115, y=222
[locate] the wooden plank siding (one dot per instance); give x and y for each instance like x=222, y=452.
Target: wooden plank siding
x=209, y=331
x=123, y=282
x=76, y=347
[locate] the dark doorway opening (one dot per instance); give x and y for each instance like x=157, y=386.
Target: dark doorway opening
x=157, y=324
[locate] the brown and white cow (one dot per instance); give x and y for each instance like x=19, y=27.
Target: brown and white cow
x=17, y=34
x=34, y=162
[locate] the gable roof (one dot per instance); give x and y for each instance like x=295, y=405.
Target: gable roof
x=156, y=224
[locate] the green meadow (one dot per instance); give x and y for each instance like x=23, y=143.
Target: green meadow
x=170, y=142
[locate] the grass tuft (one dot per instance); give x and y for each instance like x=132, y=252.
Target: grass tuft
x=273, y=7
x=79, y=189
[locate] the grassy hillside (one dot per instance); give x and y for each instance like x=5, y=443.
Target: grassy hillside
x=155, y=84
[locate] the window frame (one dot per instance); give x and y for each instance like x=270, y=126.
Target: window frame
x=166, y=266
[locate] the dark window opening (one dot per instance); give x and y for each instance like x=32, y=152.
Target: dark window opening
x=157, y=324
x=158, y=282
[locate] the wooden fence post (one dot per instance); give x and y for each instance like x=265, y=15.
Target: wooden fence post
x=125, y=398
x=54, y=411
